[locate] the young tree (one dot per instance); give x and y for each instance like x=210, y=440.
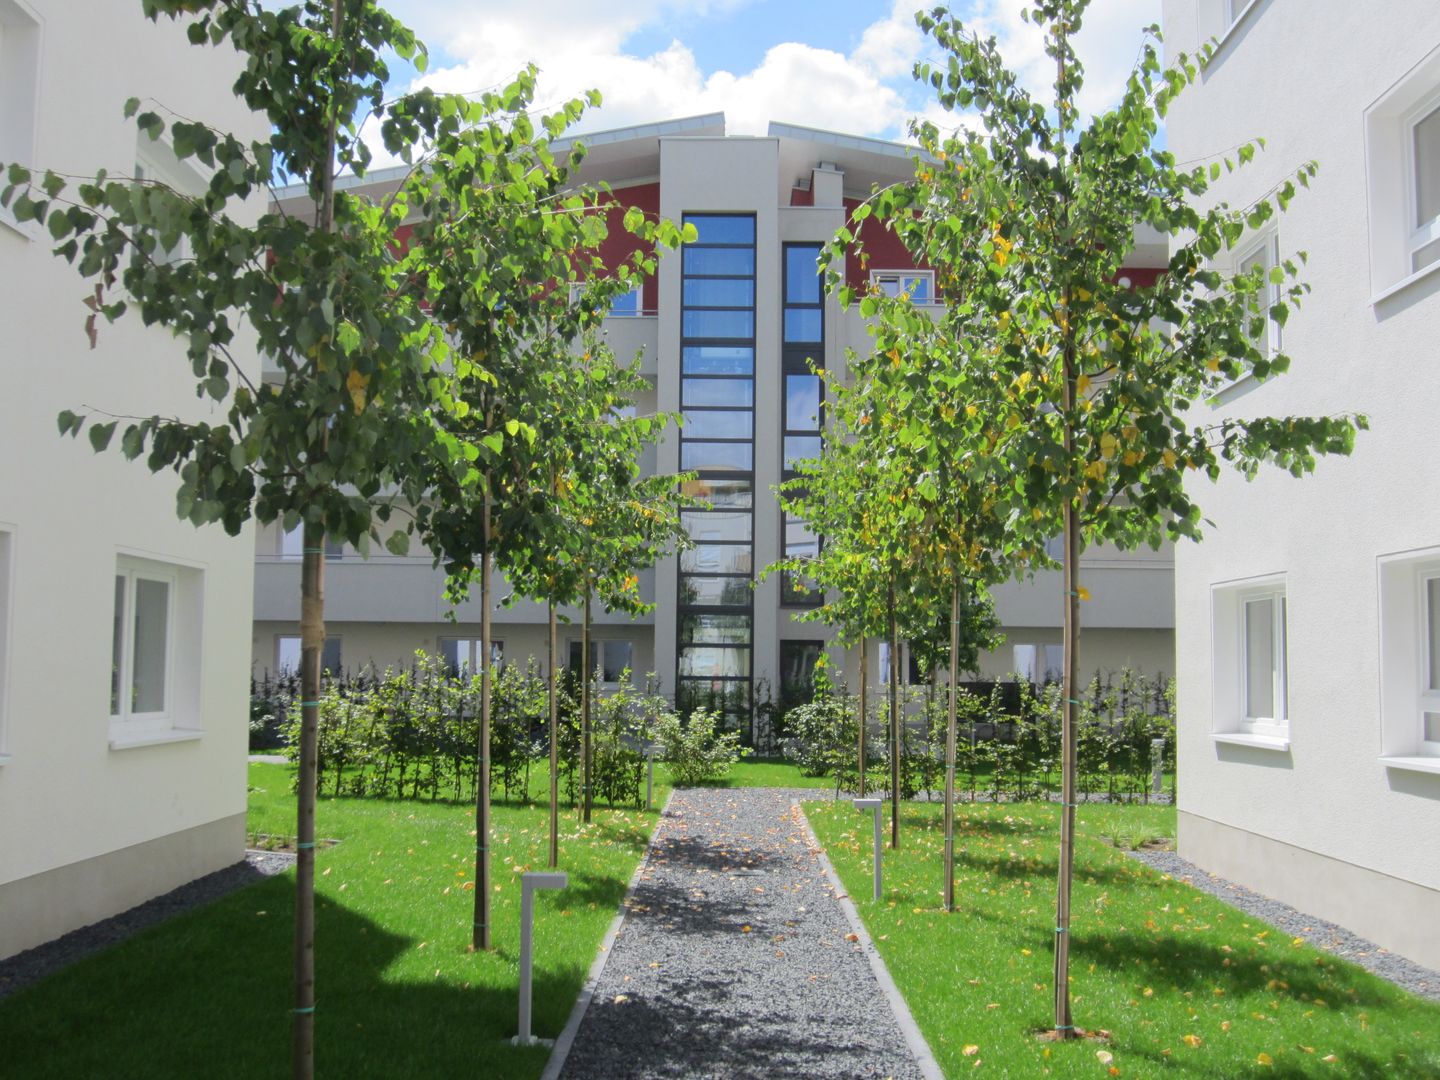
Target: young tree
x=345, y=413
x=503, y=235
x=1095, y=395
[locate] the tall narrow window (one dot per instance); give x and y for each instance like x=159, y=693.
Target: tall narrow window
x=141, y=644
x=1430, y=682
x=802, y=358
x=1264, y=256
x=5, y=558
x=797, y=672
x=1424, y=175
x=717, y=441
x=1262, y=635
x=19, y=83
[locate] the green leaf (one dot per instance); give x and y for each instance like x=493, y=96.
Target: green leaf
x=100, y=435
x=69, y=423
x=132, y=106
x=398, y=543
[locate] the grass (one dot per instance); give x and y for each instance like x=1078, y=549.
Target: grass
x=1186, y=985
x=759, y=773
x=398, y=993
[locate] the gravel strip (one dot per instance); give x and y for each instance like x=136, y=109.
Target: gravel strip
x=32, y=965
x=733, y=959
x=1404, y=973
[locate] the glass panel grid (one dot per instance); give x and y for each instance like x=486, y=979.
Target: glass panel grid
x=717, y=328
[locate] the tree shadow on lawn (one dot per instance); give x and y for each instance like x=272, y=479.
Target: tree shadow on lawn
x=209, y=994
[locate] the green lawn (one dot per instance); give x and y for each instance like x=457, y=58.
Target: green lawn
x=398, y=994
x=1186, y=986
x=759, y=773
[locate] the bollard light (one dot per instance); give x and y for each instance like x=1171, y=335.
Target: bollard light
x=874, y=806
x=1157, y=766
x=649, y=774
x=529, y=882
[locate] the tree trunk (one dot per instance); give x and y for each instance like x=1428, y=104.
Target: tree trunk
x=894, y=729
x=585, y=708
x=950, y=724
x=480, y=936
x=1064, y=1026
x=554, y=747
x=312, y=646
x=861, y=749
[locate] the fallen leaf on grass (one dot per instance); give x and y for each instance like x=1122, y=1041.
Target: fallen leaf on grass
x=1104, y=1056
x=1191, y=1040
x=1263, y=1058
x=972, y=1049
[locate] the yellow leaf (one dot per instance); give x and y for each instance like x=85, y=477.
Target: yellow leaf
x=1191, y=1041
x=1084, y=595
x=356, y=383
x=1213, y=363
x=1263, y=1058
x=972, y=1049
x=1168, y=456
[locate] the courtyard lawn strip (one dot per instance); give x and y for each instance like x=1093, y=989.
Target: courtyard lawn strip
x=1185, y=984
x=398, y=994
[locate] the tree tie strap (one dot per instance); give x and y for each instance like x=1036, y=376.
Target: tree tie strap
x=307, y=845
x=308, y=1009
x=312, y=551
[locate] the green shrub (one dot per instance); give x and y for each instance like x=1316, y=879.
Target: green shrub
x=694, y=749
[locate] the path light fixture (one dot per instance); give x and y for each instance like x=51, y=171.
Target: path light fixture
x=873, y=805
x=529, y=882
x=649, y=774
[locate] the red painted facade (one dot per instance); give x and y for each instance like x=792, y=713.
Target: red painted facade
x=620, y=244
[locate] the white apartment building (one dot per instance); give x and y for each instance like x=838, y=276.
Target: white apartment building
x=123, y=631
x=1308, y=621
x=728, y=327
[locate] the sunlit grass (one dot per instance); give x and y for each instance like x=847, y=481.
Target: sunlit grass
x=1184, y=984
x=398, y=993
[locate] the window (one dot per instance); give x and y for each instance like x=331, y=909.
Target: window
x=154, y=649
x=1402, y=150
x=912, y=675
x=613, y=658
x=1039, y=664
x=1263, y=255
x=156, y=166
x=625, y=305
x=797, y=672
x=287, y=654
x=1410, y=660
x=6, y=558
x=918, y=285
x=1262, y=649
x=1250, y=632
x=802, y=390
x=1235, y=10
x=717, y=441
x=462, y=655
x=1423, y=171
x=292, y=545
x=19, y=88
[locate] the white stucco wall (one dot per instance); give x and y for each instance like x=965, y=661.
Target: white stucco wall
x=67, y=799
x=1328, y=794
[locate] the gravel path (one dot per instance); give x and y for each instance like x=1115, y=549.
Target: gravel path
x=1323, y=935
x=733, y=959
x=32, y=965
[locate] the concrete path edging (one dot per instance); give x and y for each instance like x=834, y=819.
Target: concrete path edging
x=914, y=1039
x=566, y=1038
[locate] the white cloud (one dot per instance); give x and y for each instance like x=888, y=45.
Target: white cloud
x=580, y=45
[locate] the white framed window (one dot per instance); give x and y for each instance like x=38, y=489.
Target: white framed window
x=7, y=558
x=1402, y=158
x=462, y=655
x=154, y=651
x=1235, y=11
x=19, y=91
x=918, y=285
x=1410, y=659
x=1263, y=254
x=1039, y=663
x=625, y=305
x=1421, y=128
x=291, y=544
x=613, y=656
x=1250, y=636
x=157, y=164
x=287, y=654
x=1264, y=682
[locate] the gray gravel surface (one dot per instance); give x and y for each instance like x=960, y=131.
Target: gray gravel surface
x=23, y=969
x=1323, y=935
x=733, y=959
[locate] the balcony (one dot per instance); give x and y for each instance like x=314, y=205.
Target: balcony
x=629, y=334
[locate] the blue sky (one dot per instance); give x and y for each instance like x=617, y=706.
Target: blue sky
x=842, y=65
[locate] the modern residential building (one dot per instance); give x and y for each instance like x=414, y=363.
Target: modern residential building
x=728, y=327
x=1308, y=621
x=123, y=631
